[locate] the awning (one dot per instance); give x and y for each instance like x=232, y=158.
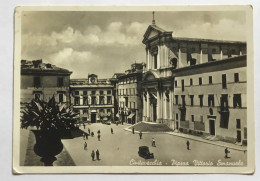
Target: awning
x=131, y=116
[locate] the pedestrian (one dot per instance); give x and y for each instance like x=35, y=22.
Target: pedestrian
x=226, y=153
x=133, y=130
x=153, y=142
x=97, y=154
x=92, y=133
x=112, y=131
x=93, y=155
x=83, y=135
x=88, y=131
x=188, y=145
x=140, y=134
x=99, y=137
x=84, y=125
x=86, y=135
x=98, y=132
x=85, y=145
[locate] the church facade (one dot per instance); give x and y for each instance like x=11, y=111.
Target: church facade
x=195, y=86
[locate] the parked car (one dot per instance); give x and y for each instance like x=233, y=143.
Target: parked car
x=144, y=152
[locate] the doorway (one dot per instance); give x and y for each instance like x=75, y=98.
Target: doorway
x=238, y=136
x=154, y=112
x=177, y=125
x=212, y=127
x=93, y=118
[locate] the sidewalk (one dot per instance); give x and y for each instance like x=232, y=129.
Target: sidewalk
x=197, y=138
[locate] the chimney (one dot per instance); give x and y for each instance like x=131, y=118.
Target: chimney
x=48, y=65
x=36, y=63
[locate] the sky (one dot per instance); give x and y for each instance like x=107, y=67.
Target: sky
x=105, y=43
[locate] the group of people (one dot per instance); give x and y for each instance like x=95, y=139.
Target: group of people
x=85, y=137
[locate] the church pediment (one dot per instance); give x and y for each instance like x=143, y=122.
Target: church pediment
x=153, y=31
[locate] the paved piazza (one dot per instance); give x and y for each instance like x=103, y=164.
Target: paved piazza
x=121, y=148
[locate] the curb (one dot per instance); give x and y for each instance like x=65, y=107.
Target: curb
x=196, y=139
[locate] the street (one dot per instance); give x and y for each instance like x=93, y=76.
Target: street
x=121, y=149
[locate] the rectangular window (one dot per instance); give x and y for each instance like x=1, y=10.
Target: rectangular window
x=177, y=116
x=211, y=100
x=245, y=133
x=93, y=92
x=214, y=50
x=85, y=101
x=101, y=100
x=176, y=83
x=237, y=101
x=126, y=92
x=210, y=79
x=176, y=99
x=224, y=101
x=224, y=81
x=155, y=61
x=123, y=90
x=85, y=93
x=109, y=100
x=37, y=82
x=60, y=82
x=134, y=91
x=60, y=97
x=238, y=124
x=200, y=81
x=76, y=93
x=236, y=77
x=191, y=100
x=76, y=100
x=191, y=81
x=192, y=118
x=134, y=105
x=101, y=92
x=201, y=100
x=93, y=100
x=85, y=111
x=108, y=91
x=182, y=84
x=183, y=100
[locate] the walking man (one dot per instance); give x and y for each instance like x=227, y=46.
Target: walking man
x=188, y=145
x=97, y=154
x=98, y=132
x=226, y=152
x=88, y=131
x=86, y=135
x=84, y=125
x=112, y=131
x=85, y=145
x=140, y=134
x=133, y=130
x=99, y=137
x=153, y=142
x=93, y=155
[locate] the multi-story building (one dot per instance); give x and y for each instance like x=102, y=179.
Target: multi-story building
x=43, y=80
x=196, y=86
x=129, y=97
x=92, y=98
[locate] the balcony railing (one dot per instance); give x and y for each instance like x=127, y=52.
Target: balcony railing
x=221, y=109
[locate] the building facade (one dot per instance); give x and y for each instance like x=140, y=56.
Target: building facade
x=128, y=93
x=93, y=98
x=43, y=80
x=195, y=86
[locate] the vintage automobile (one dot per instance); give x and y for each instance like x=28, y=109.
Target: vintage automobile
x=144, y=152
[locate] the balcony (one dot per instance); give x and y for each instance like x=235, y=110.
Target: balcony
x=182, y=107
x=222, y=109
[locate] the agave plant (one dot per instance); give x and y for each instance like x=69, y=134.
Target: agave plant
x=48, y=116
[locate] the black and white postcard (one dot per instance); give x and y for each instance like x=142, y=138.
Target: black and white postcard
x=133, y=89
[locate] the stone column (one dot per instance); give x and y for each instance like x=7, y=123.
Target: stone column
x=159, y=59
x=158, y=107
x=148, y=107
x=148, y=59
x=80, y=100
x=165, y=106
x=144, y=108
